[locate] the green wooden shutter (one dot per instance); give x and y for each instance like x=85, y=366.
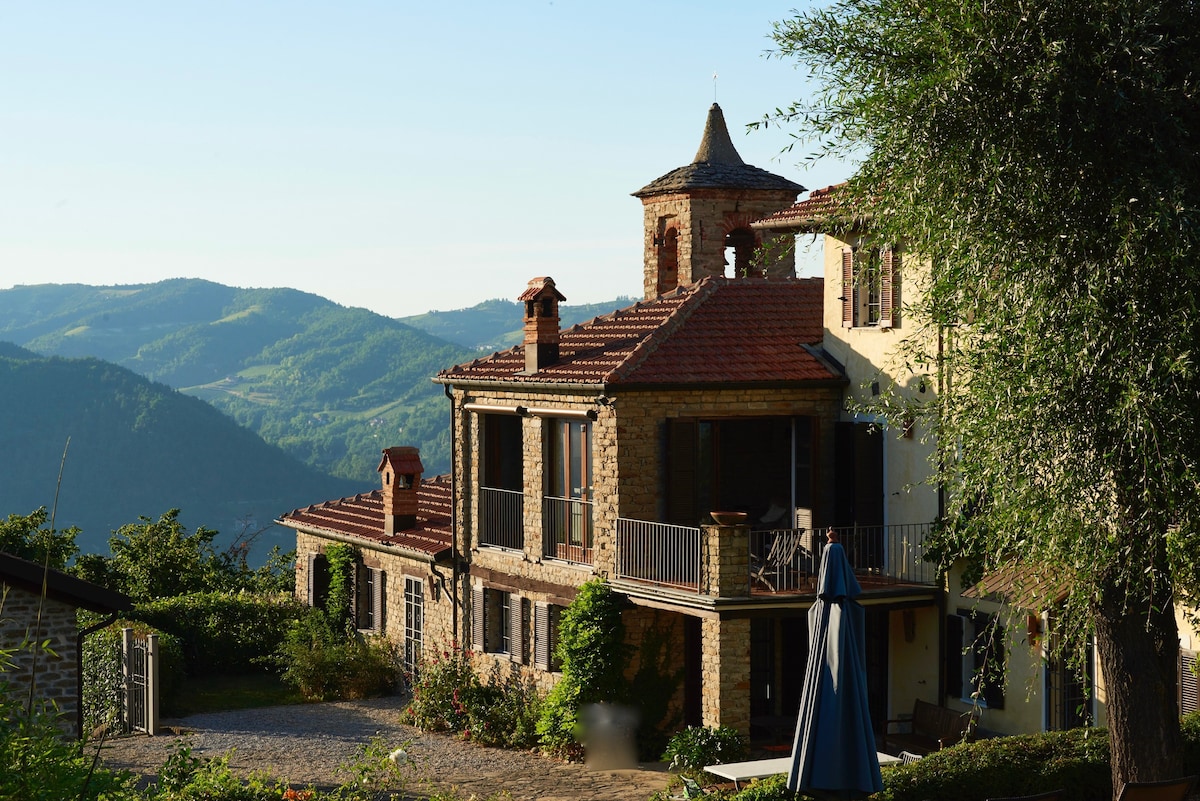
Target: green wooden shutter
x=887, y=284
x=849, y=309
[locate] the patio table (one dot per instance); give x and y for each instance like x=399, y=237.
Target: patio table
x=739, y=772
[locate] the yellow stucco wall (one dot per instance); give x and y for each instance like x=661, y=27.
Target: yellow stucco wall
x=873, y=354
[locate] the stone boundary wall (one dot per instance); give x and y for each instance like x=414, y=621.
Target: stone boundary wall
x=57, y=673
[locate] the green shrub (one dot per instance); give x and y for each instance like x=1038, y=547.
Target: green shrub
x=325, y=665
x=103, y=680
x=593, y=654
x=1075, y=761
x=184, y=777
x=224, y=633
x=696, y=746
x=37, y=762
x=439, y=690
x=1190, y=726
x=504, y=711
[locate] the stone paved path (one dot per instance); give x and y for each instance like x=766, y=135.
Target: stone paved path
x=306, y=743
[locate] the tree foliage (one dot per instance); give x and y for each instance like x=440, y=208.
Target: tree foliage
x=153, y=559
x=27, y=537
x=1042, y=156
x=593, y=653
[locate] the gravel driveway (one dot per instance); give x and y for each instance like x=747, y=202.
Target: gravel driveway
x=306, y=743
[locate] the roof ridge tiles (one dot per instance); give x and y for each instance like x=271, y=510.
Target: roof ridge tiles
x=699, y=292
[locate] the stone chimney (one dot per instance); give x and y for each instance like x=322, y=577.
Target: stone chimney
x=541, y=301
x=400, y=471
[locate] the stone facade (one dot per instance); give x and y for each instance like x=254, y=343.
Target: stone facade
x=688, y=231
x=725, y=661
x=438, y=630
x=629, y=466
x=54, y=668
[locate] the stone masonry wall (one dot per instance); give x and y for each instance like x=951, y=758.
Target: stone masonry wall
x=725, y=664
x=438, y=612
x=703, y=219
x=640, y=417
x=56, y=674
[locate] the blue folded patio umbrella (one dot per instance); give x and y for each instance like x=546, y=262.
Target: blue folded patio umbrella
x=834, y=750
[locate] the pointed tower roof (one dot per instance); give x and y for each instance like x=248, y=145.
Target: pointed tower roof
x=717, y=166
x=716, y=147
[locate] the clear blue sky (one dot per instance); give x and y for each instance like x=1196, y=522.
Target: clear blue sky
x=392, y=155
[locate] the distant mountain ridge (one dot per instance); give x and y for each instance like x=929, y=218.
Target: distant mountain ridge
x=330, y=385
x=138, y=448
x=496, y=324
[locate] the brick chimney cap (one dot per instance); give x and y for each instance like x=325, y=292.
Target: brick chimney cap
x=403, y=459
x=538, y=287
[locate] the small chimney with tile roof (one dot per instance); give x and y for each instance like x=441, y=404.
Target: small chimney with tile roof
x=400, y=471
x=541, y=301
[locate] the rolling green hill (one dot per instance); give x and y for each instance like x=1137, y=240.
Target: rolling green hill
x=138, y=448
x=330, y=385
x=496, y=324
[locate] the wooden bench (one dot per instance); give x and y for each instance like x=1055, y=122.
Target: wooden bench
x=931, y=728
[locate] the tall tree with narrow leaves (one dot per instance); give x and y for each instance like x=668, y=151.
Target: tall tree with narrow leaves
x=1043, y=158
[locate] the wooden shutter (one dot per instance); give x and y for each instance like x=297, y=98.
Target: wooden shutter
x=848, y=305
x=682, y=458
x=887, y=274
x=377, y=600
x=311, y=597
x=318, y=580
x=1189, y=683
x=996, y=676
x=516, y=628
x=952, y=665
x=541, y=635
x=477, y=628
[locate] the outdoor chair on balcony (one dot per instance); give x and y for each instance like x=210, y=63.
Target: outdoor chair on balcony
x=1169, y=790
x=773, y=569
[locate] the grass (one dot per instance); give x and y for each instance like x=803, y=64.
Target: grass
x=225, y=693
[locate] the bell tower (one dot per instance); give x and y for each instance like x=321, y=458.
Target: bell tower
x=694, y=213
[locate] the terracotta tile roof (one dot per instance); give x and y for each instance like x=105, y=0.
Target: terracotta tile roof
x=1022, y=587
x=718, y=330
x=361, y=516
x=717, y=165
x=813, y=213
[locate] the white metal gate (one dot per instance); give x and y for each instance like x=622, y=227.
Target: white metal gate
x=139, y=659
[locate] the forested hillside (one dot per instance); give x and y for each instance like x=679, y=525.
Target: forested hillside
x=138, y=448
x=330, y=385
x=497, y=324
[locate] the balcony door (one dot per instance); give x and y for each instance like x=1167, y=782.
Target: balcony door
x=569, y=489
x=502, y=482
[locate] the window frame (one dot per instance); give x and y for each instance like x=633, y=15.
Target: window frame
x=414, y=622
x=981, y=656
x=871, y=286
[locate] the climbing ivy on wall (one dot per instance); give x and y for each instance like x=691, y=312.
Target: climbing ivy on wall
x=593, y=654
x=341, y=559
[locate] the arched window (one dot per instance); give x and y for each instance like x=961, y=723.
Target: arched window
x=668, y=261
x=741, y=242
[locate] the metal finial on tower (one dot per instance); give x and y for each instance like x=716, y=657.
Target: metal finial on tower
x=714, y=86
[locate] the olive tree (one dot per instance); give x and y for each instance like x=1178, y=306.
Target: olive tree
x=1041, y=156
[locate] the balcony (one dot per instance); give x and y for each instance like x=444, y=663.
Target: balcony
x=501, y=518
x=567, y=529
x=780, y=562
x=659, y=554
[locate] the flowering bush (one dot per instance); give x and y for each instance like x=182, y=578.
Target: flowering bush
x=440, y=689
x=447, y=696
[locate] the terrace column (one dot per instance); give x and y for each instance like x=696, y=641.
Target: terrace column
x=725, y=673
x=725, y=563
